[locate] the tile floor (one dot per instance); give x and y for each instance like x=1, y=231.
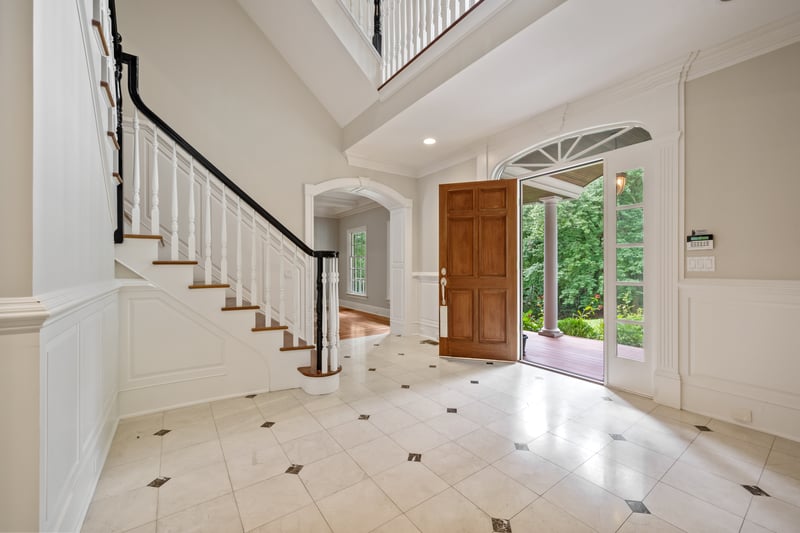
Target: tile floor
x=466, y=447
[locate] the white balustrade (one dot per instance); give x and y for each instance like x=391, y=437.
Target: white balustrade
x=273, y=256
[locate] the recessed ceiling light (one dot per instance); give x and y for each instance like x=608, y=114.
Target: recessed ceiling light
x=429, y=141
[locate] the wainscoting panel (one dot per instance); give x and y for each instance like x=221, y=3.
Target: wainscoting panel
x=428, y=298
x=739, y=352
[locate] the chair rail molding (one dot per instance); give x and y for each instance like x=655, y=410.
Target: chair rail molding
x=21, y=315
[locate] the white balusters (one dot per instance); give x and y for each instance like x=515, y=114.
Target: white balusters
x=238, y=252
x=267, y=280
x=155, y=225
x=136, y=215
x=281, y=288
x=174, y=240
x=451, y=12
x=322, y=351
x=333, y=281
x=223, y=262
x=191, y=239
x=207, y=264
x=253, y=293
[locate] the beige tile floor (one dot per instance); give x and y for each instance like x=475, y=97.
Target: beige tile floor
x=502, y=447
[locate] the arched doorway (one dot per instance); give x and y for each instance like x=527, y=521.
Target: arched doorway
x=399, y=208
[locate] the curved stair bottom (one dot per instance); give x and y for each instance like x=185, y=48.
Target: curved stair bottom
x=317, y=385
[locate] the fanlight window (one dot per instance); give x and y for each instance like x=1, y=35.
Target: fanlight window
x=573, y=148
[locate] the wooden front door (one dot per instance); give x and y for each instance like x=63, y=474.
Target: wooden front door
x=478, y=270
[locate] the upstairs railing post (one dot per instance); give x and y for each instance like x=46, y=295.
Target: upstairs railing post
x=377, y=37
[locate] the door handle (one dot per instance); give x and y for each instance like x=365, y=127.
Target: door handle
x=443, y=283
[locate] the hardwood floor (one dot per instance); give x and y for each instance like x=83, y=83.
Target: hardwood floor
x=354, y=324
x=574, y=355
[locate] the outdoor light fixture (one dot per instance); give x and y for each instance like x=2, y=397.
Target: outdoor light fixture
x=621, y=177
x=429, y=141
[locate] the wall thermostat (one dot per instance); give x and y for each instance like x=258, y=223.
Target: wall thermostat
x=700, y=241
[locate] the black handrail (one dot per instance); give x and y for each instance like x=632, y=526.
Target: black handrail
x=132, y=62
x=117, y=38
x=377, y=38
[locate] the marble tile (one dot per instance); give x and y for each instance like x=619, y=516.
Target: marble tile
x=132, y=447
x=495, y=493
x=216, y=516
x=122, y=512
x=486, y=444
x=505, y=402
x=150, y=527
x=786, y=446
x=616, y=478
x=185, y=436
x=741, y=472
x=750, y=527
x=353, y=433
x=409, y=484
x=774, y=514
x=418, y=438
x=370, y=405
x=668, y=444
x=255, y=466
x=391, y=420
x=452, y=425
x=248, y=442
x=296, y=427
x=400, y=524
x=358, y=509
x=535, y=473
x=230, y=406
x=640, y=459
x=544, y=517
x=680, y=415
x=784, y=464
x=448, y=397
x=322, y=403
x=187, y=416
x=424, y=409
x=559, y=451
x=271, y=499
x=330, y=475
x=129, y=476
x=518, y=429
x=589, y=503
x=193, y=487
x=742, y=433
x=480, y=413
x=723, y=445
x=452, y=462
x=311, y=448
x=244, y=420
x=449, y=511
x=190, y=458
x=647, y=523
x=781, y=487
x=305, y=520
x=711, y=488
x=336, y=415
x=584, y=436
x=378, y=455
x=689, y=513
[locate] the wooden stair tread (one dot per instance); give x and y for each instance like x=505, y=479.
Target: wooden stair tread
x=141, y=236
x=312, y=372
x=241, y=308
x=174, y=262
x=210, y=286
x=269, y=328
x=293, y=348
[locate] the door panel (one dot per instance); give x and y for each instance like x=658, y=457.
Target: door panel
x=478, y=264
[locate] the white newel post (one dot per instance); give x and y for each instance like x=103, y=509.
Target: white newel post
x=223, y=262
x=322, y=351
x=310, y=303
x=191, y=239
x=253, y=274
x=238, y=252
x=207, y=265
x=136, y=215
x=334, y=314
x=155, y=225
x=174, y=240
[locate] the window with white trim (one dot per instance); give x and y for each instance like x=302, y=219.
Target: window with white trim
x=357, y=253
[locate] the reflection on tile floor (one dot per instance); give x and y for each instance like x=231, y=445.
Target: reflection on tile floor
x=430, y=445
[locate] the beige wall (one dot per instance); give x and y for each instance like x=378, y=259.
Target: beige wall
x=209, y=71
x=376, y=223
x=742, y=172
x=16, y=147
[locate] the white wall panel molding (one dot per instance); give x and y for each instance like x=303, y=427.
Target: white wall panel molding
x=21, y=315
x=747, y=46
x=738, y=351
x=428, y=300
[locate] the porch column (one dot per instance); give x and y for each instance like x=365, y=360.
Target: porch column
x=550, y=327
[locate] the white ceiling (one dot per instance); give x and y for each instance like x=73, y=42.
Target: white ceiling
x=580, y=47
x=339, y=204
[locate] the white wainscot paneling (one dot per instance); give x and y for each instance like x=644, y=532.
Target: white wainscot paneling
x=428, y=287
x=739, y=352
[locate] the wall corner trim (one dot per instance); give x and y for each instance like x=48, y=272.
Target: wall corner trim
x=21, y=315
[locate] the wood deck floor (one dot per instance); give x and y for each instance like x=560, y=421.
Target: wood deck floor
x=574, y=355
x=354, y=324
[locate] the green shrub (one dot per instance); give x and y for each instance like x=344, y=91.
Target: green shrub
x=630, y=335
x=577, y=327
x=531, y=323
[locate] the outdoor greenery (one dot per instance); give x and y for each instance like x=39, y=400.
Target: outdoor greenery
x=580, y=263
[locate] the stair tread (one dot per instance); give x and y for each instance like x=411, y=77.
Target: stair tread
x=240, y=308
x=312, y=372
x=293, y=348
x=174, y=262
x=141, y=236
x=269, y=328
x=209, y=286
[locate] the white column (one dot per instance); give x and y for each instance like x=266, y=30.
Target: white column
x=550, y=328
x=334, y=315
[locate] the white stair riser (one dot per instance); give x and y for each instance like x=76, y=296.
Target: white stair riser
x=172, y=278
x=137, y=253
x=204, y=298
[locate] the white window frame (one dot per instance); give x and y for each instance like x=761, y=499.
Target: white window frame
x=351, y=278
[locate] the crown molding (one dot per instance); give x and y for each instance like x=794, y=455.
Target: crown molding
x=21, y=315
x=746, y=46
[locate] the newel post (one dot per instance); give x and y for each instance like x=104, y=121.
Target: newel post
x=377, y=38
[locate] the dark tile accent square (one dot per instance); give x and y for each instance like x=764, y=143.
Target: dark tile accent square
x=703, y=428
x=294, y=469
x=431, y=366
x=755, y=490
x=501, y=525
x=405, y=386
x=415, y=457
x=157, y=482
x=521, y=446
x=608, y=398
x=376, y=344
x=452, y=410
x=363, y=417
x=489, y=363
x=400, y=353
x=161, y=432
x=637, y=506
x=250, y=396
x=617, y=436
x=474, y=381
x=267, y=424
x=347, y=357
x=370, y=370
